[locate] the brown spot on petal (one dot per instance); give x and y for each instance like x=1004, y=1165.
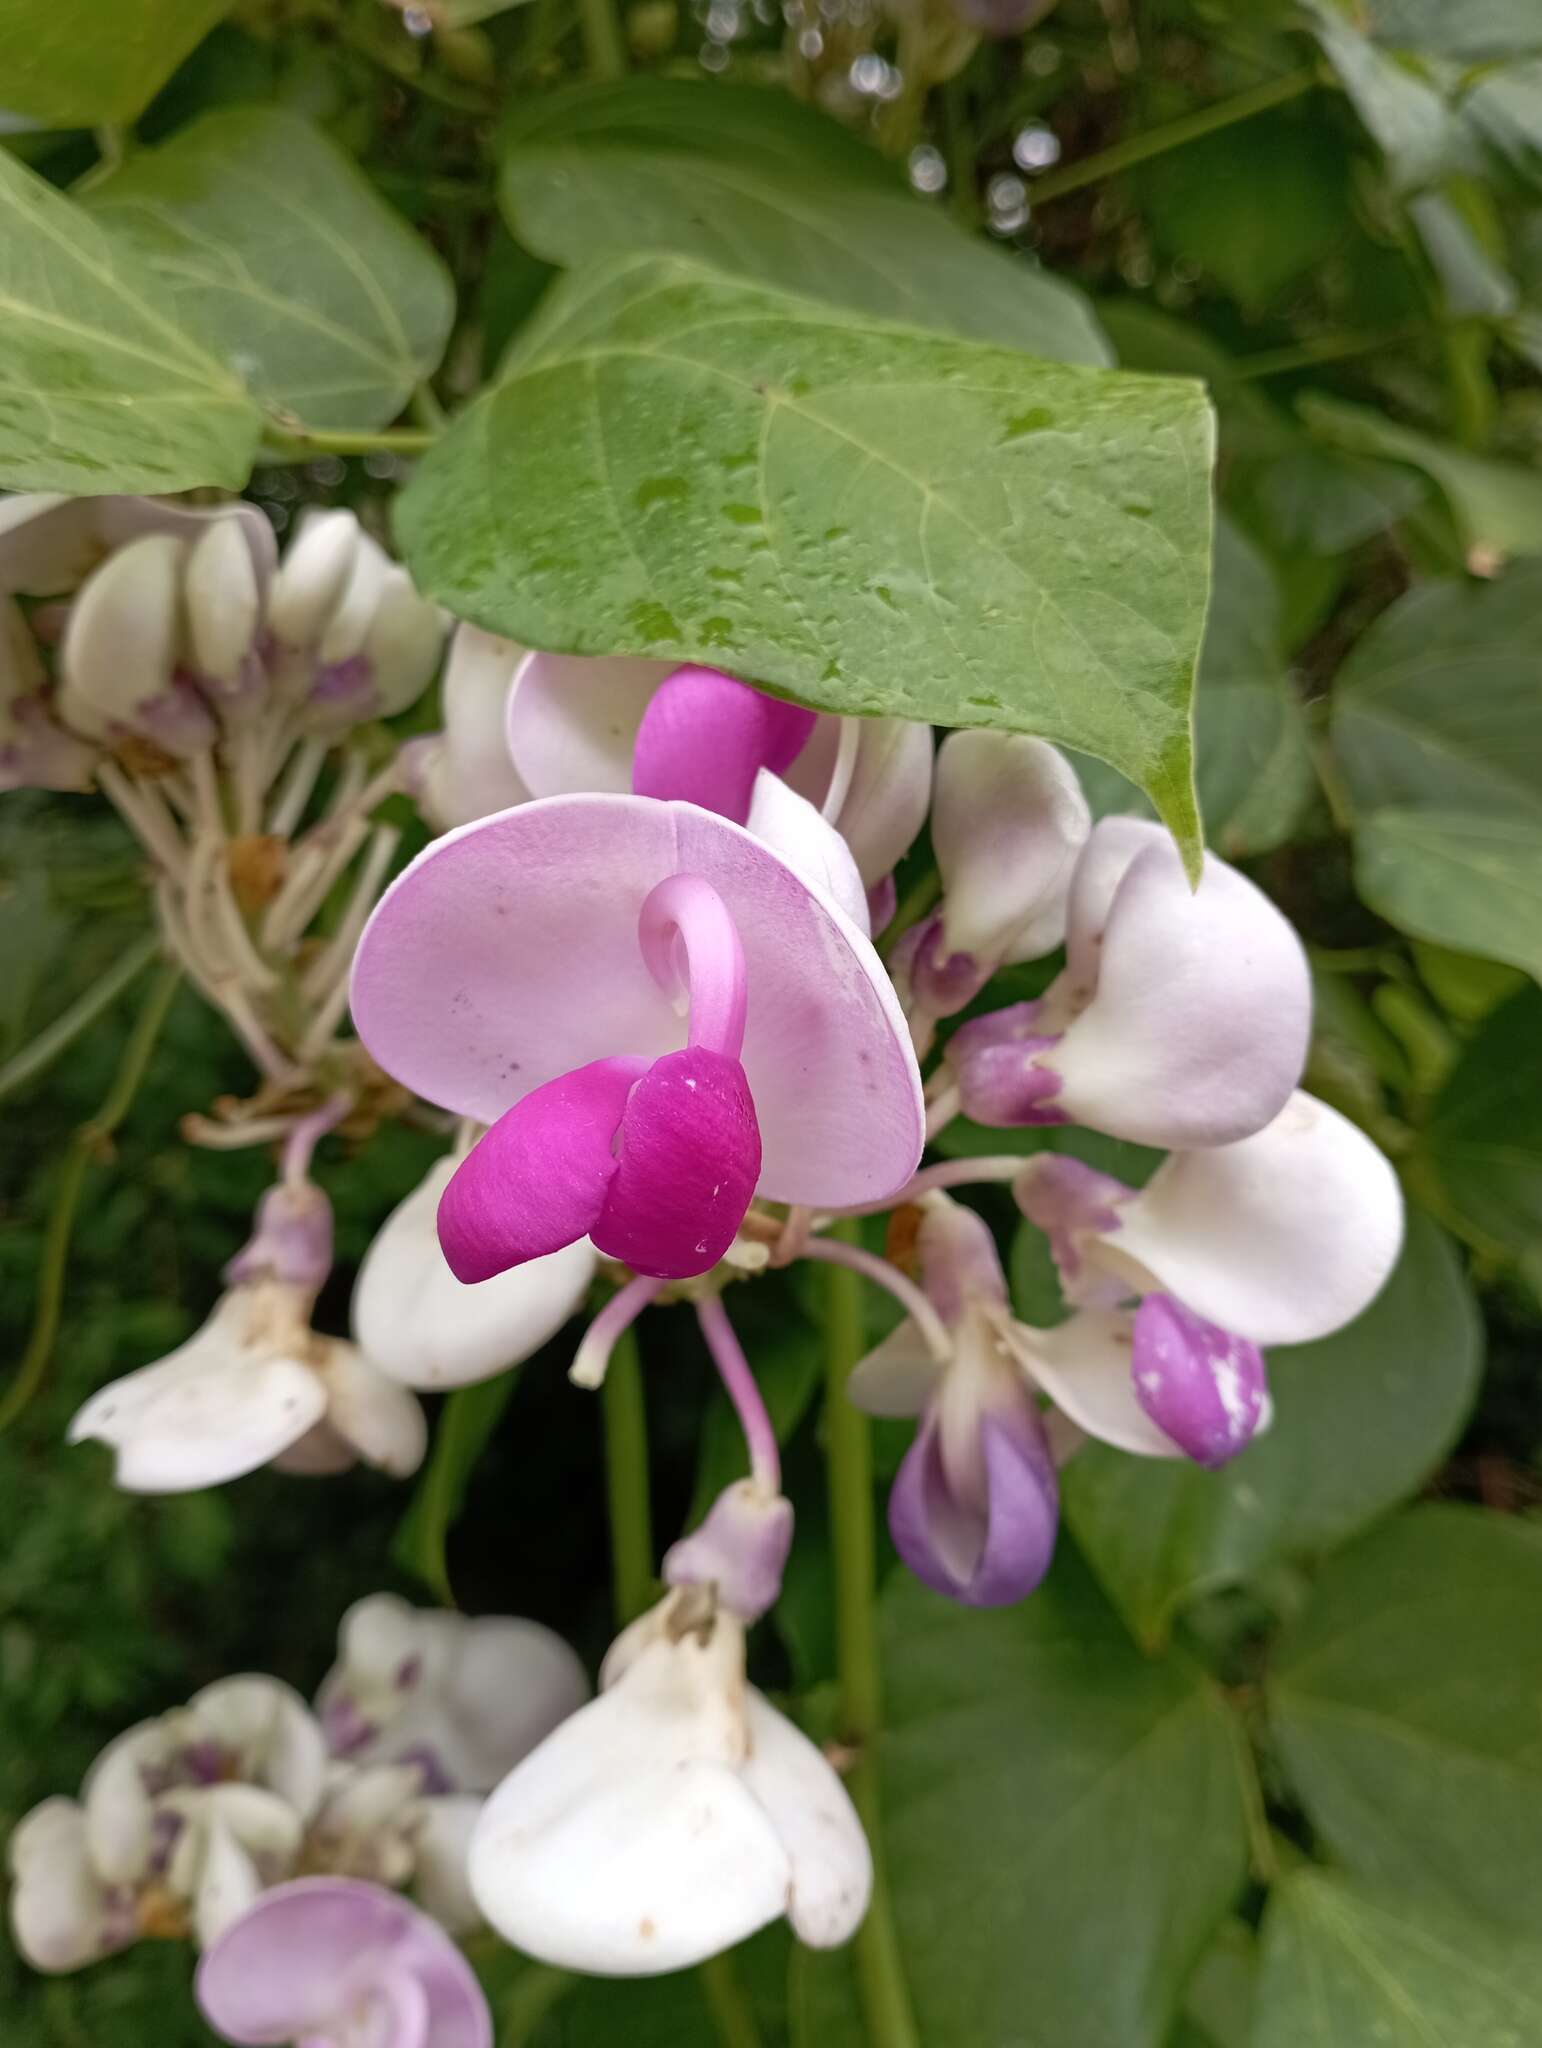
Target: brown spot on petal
x=646, y=1930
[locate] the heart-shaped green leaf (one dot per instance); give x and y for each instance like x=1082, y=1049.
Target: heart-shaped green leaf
x=871, y=519
x=76, y=64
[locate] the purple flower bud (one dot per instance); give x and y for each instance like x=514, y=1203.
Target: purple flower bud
x=292, y=1241
x=741, y=1548
x=996, y=1061
x=1200, y=1385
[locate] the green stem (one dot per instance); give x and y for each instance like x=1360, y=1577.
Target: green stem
x=83, y=1149
x=1137, y=149
x=604, y=44
x=848, y=1450
x=57, y=1037
x=427, y=411
x=626, y=1481
x=916, y=902
x=1325, y=348
x=733, y=2017
x=301, y=441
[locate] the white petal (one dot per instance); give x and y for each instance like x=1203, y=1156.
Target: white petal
x=832, y=1867
x=1281, y=1237
x=312, y=577
x=1084, y=1367
x=1114, y=843
x=811, y=847
x=120, y=644
x=897, y=1376
x=220, y=1405
x=573, y=719
x=403, y=644
x=420, y=1325
x=628, y=1843
x=224, y=600
x=1198, y=1029
x=344, y=633
x=227, y=1883
x=119, y=1816
x=441, y=1882
x=511, y=1683
x=277, y=1737
x=479, y=775
x=891, y=791
x=320, y=1454
x=384, y=1422
x=1008, y=821
x=59, y=1906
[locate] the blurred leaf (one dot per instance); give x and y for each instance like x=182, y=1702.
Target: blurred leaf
x=1473, y=31
x=466, y=1421
x=78, y=64
x=1316, y=498
x=1458, y=878
x=1483, y=1137
x=1404, y=1706
x=1465, y=984
x=268, y=243
x=689, y=467
x=673, y=2011
x=1497, y=505
x=749, y=181
x=1361, y=1420
x=1052, y=1799
x=1503, y=114
x=1223, y=1992
x=1402, y=108
x=1473, y=284
x=99, y=390
x=1345, y=1966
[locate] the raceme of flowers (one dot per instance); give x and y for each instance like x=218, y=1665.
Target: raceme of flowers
x=634, y=979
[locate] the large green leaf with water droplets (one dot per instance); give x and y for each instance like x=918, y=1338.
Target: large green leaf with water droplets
x=100, y=388
x=868, y=518
x=268, y=243
x=78, y=63
x=757, y=185
x=1345, y=1967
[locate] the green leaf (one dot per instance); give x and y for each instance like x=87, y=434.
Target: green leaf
x=1063, y=1821
x=873, y=520
x=1483, y=1139
x=1402, y=108
x=1457, y=878
x=1472, y=31
x=1255, y=773
x=1361, y=1420
x=466, y=1421
x=1404, y=1705
x=268, y=243
x=82, y=63
x=99, y=389
x=1497, y=506
x=751, y=182
x=1344, y=1967
x=683, y=2009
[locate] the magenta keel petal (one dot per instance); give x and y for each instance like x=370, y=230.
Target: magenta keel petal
x=539, y=1178
x=1202, y=1386
x=688, y=1163
x=704, y=737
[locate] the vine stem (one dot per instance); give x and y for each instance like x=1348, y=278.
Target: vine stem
x=880, y=1975
x=55, y=1038
x=626, y=1481
x=292, y=437
x=83, y=1149
x=603, y=42
x=1137, y=149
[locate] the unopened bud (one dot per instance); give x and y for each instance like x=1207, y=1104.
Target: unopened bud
x=120, y=658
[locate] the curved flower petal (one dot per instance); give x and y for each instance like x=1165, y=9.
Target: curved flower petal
x=1114, y=843
x=705, y=737
x=220, y=1405
x=890, y=794
x=315, y=572
x=228, y=1882
x=382, y=1421
x=308, y=1953
x=273, y=1733
x=1200, y=1385
x=959, y=1260
x=420, y=1325
x=118, y=663
x=831, y=1864
x=1008, y=821
x=507, y=953
x=740, y=1547
x=572, y=720
x=49, y=544
x=628, y=1843
x=897, y=1376
x=441, y=1882
x=1086, y=1366
x=1283, y=1236
x=791, y=826
x=687, y=1167
x=479, y=777
x=1198, y=1028
x=119, y=1817
x=62, y=1915
x=990, y=1544
x=538, y=1179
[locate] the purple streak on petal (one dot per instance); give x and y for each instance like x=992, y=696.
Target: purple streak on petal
x=882, y=902
x=943, y=982
x=538, y=1180
x=1202, y=1386
x=177, y=719
x=690, y=944
x=1063, y=1197
x=688, y=1163
x=344, y=685
x=999, y=1079
x=345, y=1727
x=434, y=1779
x=705, y=736
x=987, y=1553
x=298, y=1964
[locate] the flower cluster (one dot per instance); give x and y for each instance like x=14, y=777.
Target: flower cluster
x=637, y=970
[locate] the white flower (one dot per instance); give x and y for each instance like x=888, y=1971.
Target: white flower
x=461, y=1699
x=672, y=1817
